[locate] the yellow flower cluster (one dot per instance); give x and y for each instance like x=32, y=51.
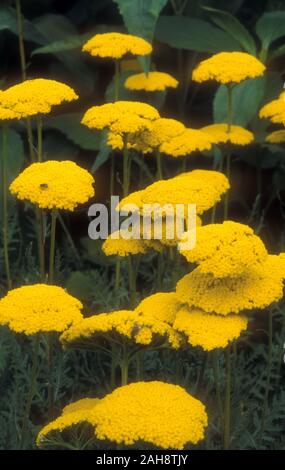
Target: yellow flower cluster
x=116, y=45
x=258, y=287
x=220, y=134
x=228, y=67
x=207, y=330
x=226, y=249
x=153, y=81
x=39, y=308
x=275, y=110
x=130, y=324
x=54, y=184
x=121, y=117
x=7, y=114
x=137, y=413
x=163, y=306
x=37, y=96
x=123, y=247
x=190, y=141
x=276, y=137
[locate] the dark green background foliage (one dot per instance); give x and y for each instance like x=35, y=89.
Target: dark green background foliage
x=183, y=33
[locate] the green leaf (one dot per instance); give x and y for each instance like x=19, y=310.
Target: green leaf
x=68, y=44
x=193, y=34
x=80, y=285
x=232, y=26
x=15, y=153
x=270, y=26
x=92, y=252
x=103, y=154
x=70, y=125
x=247, y=97
x=277, y=52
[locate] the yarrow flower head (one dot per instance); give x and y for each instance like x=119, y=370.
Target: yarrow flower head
x=37, y=96
x=132, y=325
x=228, y=67
x=121, y=117
x=191, y=140
x=153, y=81
x=39, y=308
x=162, y=306
x=54, y=184
x=123, y=246
x=209, y=331
x=276, y=137
x=137, y=413
x=226, y=249
x=274, y=110
x=221, y=134
x=257, y=288
x=116, y=45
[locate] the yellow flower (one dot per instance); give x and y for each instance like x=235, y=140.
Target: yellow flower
x=274, y=110
x=220, y=134
x=156, y=413
x=116, y=45
x=228, y=67
x=39, y=308
x=153, y=81
x=137, y=413
x=163, y=306
x=257, y=288
x=7, y=114
x=123, y=247
x=190, y=141
x=74, y=414
x=207, y=330
x=54, y=184
x=122, y=117
x=226, y=249
x=37, y=96
x=276, y=137
x=129, y=324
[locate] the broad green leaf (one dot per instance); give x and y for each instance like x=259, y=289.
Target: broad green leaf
x=8, y=21
x=232, y=26
x=194, y=34
x=68, y=44
x=277, y=52
x=270, y=26
x=103, y=154
x=15, y=153
x=80, y=285
x=70, y=125
x=247, y=98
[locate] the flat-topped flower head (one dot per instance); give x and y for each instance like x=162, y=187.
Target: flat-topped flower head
x=152, y=81
x=156, y=413
x=226, y=249
x=276, y=137
x=39, y=308
x=119, y=325
x=257, y=288
x=274, y=110
x=37, y=96
x=163, y=306
x=7, y=114
x=54, y=184
x=191, y=140
x=116, y=45
x=221, y=134
x=72, y=415
x=209, y=331
x=123, y=246
x=121, y=117
x=228, y=67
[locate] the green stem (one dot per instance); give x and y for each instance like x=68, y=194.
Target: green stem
x=50, y=376
x=117, y=274
x=132, y=282
x=126, y=178
x=268, y=377
x=227, y=412
x=228, y=156
x=52, y=245
x=139, y=365
x=159, y=166
x=117, y=80
x=5, y=207
x=41, y=242
x=40, y=138
x=216, y=371
x=112, y=175
x=124, y=364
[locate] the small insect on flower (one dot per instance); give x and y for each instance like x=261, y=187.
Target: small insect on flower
x=44, y=186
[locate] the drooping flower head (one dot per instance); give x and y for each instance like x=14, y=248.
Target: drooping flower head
x=221, y=134
x=116, y=45
x=37, y=96
x=39, y=308
x=121, y=117
x=209, y=331
x=153, y=81
x=276, y=137
x=228, y=67
x=274, y=110
x=226, y=249
x=54, y=184
x=191, y=140
x=137, y=413
x=163, y=306
x=257, y=288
